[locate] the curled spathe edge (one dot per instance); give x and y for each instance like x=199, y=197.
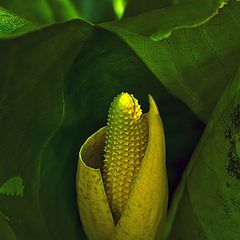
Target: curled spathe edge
x=145, y=211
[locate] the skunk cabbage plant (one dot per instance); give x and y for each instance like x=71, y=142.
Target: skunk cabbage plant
x=128, y=198
x=63, y=62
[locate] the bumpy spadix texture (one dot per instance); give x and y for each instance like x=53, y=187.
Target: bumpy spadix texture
x=126, y=142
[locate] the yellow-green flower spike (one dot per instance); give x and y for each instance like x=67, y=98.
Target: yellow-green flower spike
x=126, y=142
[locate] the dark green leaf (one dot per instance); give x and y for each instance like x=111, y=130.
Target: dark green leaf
x=159, y=24
x=135, y=7
x=208, y=197
x=95, y=11
x=5, y=229
x=32, y=109
x=193, y=64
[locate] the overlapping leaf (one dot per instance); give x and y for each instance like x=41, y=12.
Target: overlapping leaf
x=195, y=64
x=208, y=197
x=32, y=69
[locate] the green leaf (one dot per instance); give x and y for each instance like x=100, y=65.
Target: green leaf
x=32, y=109
x=95, y=11
x=13, y=186
x=5, y=229
x=208, y=197
x=135, y=7
x=12, y=24
x=42, y=11
x=62, y=10
x=119, y=7
x=194, y=64
x=159, y=23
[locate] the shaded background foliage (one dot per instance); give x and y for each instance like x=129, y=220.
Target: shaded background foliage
x=58, y=78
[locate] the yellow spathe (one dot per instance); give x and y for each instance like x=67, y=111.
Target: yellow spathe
x=146, y=206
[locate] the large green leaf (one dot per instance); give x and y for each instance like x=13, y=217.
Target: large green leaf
x=159, y=23
x=32, y=73
x=208, y=197
x=12, y=24
x=194, y=64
